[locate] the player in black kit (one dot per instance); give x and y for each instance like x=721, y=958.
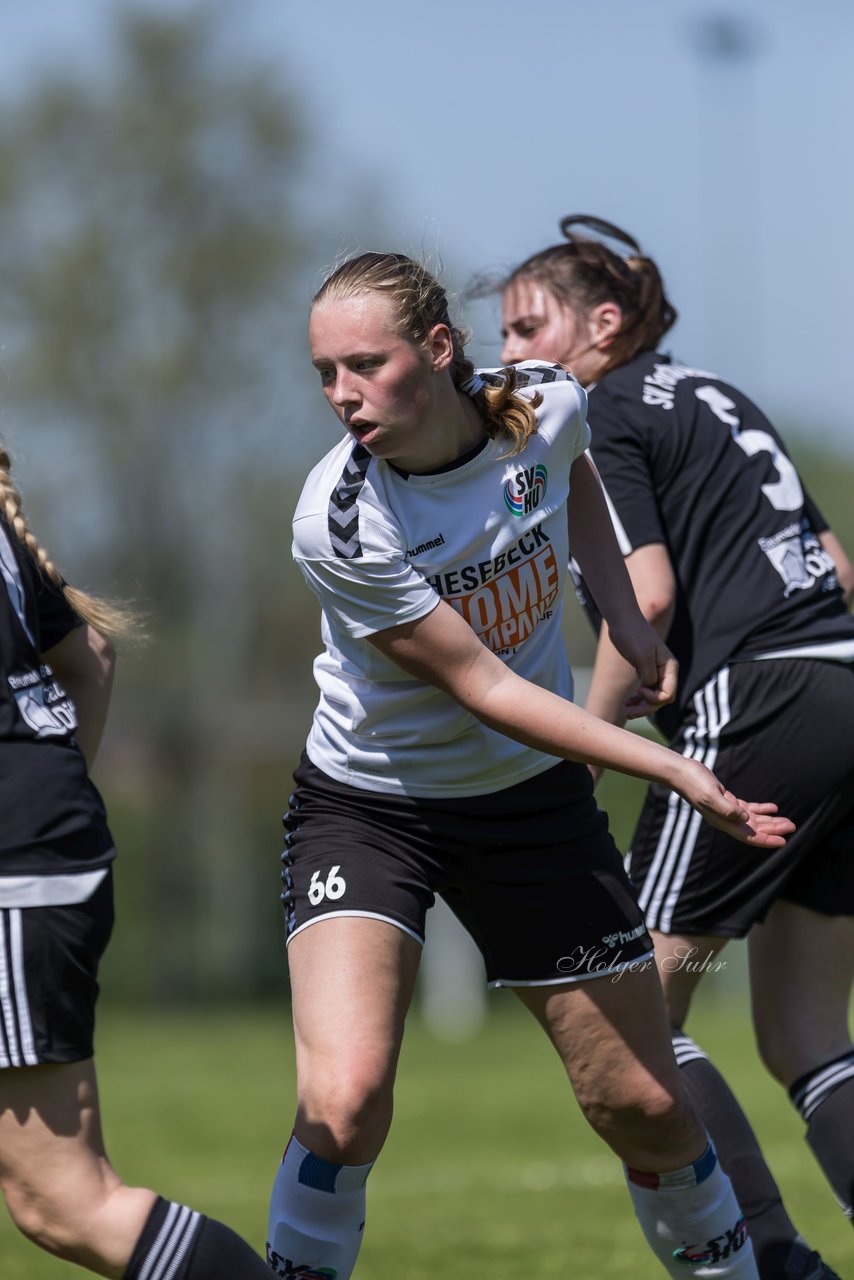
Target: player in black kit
x=56, y=914
x=738, y=571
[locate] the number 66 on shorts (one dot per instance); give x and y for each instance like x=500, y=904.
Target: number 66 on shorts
x=332, y=887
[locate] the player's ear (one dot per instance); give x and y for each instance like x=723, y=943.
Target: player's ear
x=441, y=347
x=605, y=322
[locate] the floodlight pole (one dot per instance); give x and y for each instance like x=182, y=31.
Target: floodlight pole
x=727, y=47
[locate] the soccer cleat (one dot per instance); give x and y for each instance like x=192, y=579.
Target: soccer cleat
x=823, y=1271
x=806, y=1264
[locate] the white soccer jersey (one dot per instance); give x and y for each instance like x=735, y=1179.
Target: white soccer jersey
x=488, y=535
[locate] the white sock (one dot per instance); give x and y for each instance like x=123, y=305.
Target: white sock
x=317, y=1216
x=692, y=1221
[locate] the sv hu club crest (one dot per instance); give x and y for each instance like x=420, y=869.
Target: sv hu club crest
x=526, y=490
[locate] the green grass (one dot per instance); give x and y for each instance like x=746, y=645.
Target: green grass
x=489, y=1170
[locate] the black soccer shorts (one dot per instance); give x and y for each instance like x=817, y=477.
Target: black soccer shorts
x=777, y=729
x=48, y=978
x=532, y=871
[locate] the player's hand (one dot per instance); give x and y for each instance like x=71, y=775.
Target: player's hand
x=757, y=824
x=650, y=697
x=657, y=669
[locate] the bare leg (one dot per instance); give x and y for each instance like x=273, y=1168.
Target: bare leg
x=801, y=967
x=351, y=981
x=614, y=1039
x=801, y=970
x=59, y=1186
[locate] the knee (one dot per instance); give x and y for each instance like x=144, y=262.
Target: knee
x=787, y=1056
x=775, y=1052
x=345, y=1110
x=790, y=1048
x=651, y=1127
x=41, y=1219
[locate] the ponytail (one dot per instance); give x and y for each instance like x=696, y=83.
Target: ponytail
x=584, y=272
x=112, y=620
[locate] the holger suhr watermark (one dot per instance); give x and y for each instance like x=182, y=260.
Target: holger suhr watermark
x=598, y=961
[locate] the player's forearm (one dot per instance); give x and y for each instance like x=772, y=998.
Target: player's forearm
x=612, y=682
x=548, y=723
x=594, y=545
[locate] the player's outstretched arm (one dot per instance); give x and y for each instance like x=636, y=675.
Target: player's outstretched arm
x=441, y=649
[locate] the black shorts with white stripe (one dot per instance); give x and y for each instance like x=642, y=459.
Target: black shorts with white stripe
x=531, y=871
x=48, y=978
x=778, y=730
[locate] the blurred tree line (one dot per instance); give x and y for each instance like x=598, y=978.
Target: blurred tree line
x=153, y=312
x=154, y=246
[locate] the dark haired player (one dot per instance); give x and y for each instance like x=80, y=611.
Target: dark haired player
x=738, y=571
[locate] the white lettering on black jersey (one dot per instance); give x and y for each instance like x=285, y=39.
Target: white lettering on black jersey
x=689, y=462
x=53, y=818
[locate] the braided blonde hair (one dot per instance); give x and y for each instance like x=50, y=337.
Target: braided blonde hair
x=111, y=619
x=422, y=303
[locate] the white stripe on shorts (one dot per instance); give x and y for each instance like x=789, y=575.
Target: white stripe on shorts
x=17, y=1046
x=672, y=858
x=362, y=915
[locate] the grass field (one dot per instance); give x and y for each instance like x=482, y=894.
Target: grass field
x=489, y=1170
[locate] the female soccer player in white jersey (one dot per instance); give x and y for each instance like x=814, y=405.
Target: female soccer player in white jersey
x=435, y=537
x=56, y=914
x=735, y=567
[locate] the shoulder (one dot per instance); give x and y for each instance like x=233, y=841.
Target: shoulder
x=629, y=383
x=563, y=400
x=535, y=376
x=656, y=382
x=343, y=512
x=649, y=394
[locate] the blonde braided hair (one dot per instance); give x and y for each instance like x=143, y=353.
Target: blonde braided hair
x=110, y=618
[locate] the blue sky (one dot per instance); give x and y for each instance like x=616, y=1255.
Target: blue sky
x=477, y=124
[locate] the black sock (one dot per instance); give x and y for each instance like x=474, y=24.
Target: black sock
x=825, y=1099
x=180, y=1244
x=775, y=1239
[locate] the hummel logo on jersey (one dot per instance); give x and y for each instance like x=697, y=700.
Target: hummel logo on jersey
x=611, y=939
x=438, y=541
x=526, y=490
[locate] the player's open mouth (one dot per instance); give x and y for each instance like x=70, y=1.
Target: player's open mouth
x=361, y=430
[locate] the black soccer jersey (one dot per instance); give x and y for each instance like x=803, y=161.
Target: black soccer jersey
x=690, y=462
x=53, y=819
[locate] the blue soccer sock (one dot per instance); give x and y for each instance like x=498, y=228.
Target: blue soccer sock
x=691, y=1218
x=317, y=1216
